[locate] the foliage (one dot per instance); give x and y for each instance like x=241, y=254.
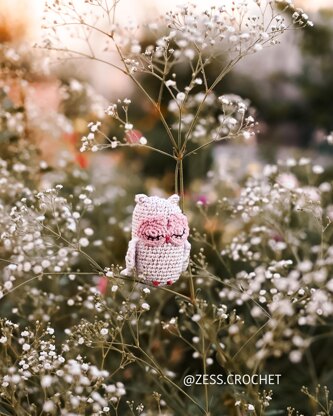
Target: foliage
x=76, y=337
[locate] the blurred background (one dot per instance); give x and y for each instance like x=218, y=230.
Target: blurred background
x=290, y=87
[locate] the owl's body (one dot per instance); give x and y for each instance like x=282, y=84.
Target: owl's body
x=160, y=264
x=158, y=251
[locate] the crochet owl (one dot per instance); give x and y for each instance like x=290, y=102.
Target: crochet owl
x=158, y=251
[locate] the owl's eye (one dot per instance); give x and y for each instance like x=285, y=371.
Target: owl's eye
x=156, y=238
x=179, y=235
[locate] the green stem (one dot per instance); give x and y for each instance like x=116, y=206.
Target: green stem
x=156, y=105
x=180, y=128
x=177, y=177
x=181, y=184
x=222, y=74
x=192, y=288
x=204, y=364
x=157, y=368
x=199, y=147
x=154, y=149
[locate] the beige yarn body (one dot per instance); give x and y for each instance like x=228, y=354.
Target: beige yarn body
x=159, y=251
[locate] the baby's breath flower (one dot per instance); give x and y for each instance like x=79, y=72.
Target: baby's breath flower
x=46, y=381
x=181, y=97
x=196, y=317
x=84, y=242
x=49, y=406
x=170, y=83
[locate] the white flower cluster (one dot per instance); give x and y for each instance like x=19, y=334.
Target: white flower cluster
x=68, y=383
x=131, y=137
x=220, y=35
x=233, y=28
x=289, y=298
x=270, y=228
x=40, y=230
x=186, y=33
x=233, y=118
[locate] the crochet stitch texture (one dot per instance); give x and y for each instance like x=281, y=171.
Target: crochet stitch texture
x=159, y=250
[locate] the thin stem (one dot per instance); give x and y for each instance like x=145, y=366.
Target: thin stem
x=181, y=184
x=180, y=128
x=198, y=148
x=87, y=56
x=156, y=106
x=146, y=147
x=7, y=261
x=204, y=364
x=207, y=144
x=251, y=338
x=22, y=284
x=75, y=247
x=222, y=74
x=157, y=367
x=192, y=288
x=177, y=177
x=160, y=94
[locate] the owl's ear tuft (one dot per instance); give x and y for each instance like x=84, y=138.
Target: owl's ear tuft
x=174, y=199
x=140, y=198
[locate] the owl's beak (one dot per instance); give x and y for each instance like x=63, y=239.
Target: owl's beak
x=167, y=239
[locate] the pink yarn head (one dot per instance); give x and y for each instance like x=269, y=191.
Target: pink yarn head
x=159, y=230
x=153, y=208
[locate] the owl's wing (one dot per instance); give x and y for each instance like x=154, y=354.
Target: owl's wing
x=186, y=257
x=130, y=257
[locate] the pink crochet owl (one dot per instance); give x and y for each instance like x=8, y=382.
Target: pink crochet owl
x=158, y=251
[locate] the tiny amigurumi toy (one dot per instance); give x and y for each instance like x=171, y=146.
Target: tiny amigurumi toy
x=158, y=251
